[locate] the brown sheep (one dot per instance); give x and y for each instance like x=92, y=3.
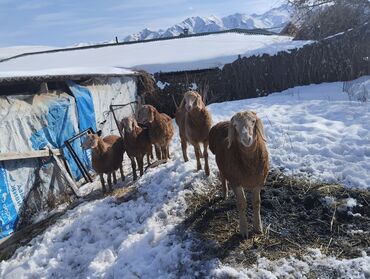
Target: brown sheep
x=137, y=143
x=107, y=156
x=242, y=159
x=160, y=129
x=194, y=121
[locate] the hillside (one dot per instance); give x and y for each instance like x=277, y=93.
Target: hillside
x=274, y=19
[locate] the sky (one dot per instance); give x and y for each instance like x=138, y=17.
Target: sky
x=69, y=22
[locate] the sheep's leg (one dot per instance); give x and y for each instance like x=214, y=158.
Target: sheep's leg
x=168, y=151
x=224, y=187
x=110, y=181
x=140, y=162
x=122, y=173
x=184, y=147
x=165, y=152
x=133, y=166
x=205, y=152
x=197, y=155
x=114, y=177
x=157, y=152
x=151, y=153
x=256, y=204
x=102, y=182
x=241, y=204
x=148, y=158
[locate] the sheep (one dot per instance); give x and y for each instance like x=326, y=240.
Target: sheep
x=160, y=129
x=137, y=143
x=242, y=159
x=107, y=156
x=194, y=121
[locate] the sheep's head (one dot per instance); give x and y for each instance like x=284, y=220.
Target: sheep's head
x=245, y=127
x=193, y=100
x=90, y=141
x=145, y=114
x=128, y=124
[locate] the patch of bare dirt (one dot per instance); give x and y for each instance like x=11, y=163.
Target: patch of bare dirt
x=295, y=217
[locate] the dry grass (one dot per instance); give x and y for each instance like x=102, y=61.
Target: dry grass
x=294, y=219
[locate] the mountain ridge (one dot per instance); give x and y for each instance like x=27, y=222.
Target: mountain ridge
x=274, y=20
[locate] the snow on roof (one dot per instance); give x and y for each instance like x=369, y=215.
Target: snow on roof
x=64, y=72
x=6, y=52
x=187, y=53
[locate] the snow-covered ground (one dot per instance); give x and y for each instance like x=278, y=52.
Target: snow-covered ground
x=311, y=130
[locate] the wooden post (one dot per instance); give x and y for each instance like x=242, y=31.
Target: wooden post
x=65, y=173
x=27, y=155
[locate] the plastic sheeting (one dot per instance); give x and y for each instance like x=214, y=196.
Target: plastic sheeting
x=31, y=122
x=112, y=91
x=31, y=187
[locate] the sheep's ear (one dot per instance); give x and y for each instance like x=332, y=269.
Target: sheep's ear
x=260, y=130
x=199, y=101
x=99, y=133
x=230, y=135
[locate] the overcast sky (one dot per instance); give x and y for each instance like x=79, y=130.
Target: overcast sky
x=67, y=22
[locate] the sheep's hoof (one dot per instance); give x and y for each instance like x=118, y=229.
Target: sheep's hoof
x=258, y=229
x=244, y=230
x=123, y=178
x=207, y=171
x=244, y=234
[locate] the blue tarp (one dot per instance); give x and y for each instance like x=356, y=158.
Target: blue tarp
x=85, y=106
x=59, y=128
x=8, y=212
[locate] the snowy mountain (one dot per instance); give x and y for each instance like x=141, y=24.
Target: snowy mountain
x=274, y=19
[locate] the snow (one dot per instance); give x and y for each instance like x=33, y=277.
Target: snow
x=67, y=71
x=359, y=89
x=274, y=20
x=6, y=52
x=314, y=261
x=189, y=53
x=329, y=201
x=162, y=85
x=312, y=130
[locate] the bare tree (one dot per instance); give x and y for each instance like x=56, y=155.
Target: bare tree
x=317, y=19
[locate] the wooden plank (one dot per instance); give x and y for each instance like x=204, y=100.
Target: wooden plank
x=65, y=173
x=27, y=155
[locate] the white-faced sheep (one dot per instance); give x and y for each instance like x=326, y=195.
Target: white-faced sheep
x=136, y=142
x=107, y=156
x=160, y=129
x=242, y=159
x=194, y=121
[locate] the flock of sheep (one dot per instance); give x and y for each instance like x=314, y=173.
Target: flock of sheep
x=239, y=147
